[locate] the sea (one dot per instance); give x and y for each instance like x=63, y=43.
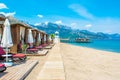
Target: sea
x=106, y=45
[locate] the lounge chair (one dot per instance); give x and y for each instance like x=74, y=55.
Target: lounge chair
x=2, y=67
x=39, y=47
x=44, y=45
x=14, y=56
x=32, y=50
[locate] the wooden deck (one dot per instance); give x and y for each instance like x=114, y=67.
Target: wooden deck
x=53, y=68
x=18, y=72
x=48, y=47
x=39, y=53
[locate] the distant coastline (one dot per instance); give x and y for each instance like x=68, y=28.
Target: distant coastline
x=104, y=45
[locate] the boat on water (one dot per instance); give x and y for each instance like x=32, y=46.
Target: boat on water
x=82, y=40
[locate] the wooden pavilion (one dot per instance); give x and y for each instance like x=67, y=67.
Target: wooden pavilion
x=19, y=31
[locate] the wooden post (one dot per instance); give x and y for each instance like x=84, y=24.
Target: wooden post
x=26, y=35
x=15, y=31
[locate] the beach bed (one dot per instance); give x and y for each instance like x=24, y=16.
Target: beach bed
x=48, y=47
x=39, y=53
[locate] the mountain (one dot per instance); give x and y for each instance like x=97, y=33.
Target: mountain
x=68, y=32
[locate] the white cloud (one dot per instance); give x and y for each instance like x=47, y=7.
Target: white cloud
x=37, y=24
x=81, y=11
x=46, y=23
x=88, y=25
x=3, y=6
x=8, y=14
x=58, y=22
x=40, y=16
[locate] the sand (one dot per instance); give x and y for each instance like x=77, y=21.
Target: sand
x=83, y=63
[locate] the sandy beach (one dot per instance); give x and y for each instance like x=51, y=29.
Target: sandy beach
x=82, y=63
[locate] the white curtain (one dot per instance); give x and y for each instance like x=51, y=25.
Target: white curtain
x=30, y=36
x=0, y=33
x=39, y=37
x=22, y=34
x=44, y=37
x=50, y=38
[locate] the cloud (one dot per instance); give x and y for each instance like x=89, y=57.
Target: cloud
x=40, y=16
x=37, y=24
x=58, y=22
x=88, y=25
x=81, y=11
x=46, y=23
x=3, y=6
x=8, y=14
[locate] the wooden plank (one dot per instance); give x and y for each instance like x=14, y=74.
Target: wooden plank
x=19, y=72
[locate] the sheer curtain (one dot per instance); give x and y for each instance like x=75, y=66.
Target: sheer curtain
x=22, y=34
x=44, y=37
x=34, y=36
x=39, y=37
x=0, y=34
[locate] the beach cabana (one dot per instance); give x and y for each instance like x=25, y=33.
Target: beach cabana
x=17, y=31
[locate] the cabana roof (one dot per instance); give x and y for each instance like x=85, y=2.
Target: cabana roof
x=14, y=21
x=2, y=16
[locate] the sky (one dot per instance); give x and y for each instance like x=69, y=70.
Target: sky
x=92, y=15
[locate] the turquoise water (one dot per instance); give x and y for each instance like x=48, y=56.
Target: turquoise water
x=107, y=45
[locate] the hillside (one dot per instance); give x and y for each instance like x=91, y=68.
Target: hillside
x=67, y=32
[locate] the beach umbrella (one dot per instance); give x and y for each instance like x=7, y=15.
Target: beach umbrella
x=30, y=36
x=7, y=37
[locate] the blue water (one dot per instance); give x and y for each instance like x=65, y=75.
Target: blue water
x=107, y=45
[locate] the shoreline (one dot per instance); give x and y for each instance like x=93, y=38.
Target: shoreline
x=93, y=48
x=89, y=64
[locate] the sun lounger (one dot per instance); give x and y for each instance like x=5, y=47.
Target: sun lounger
x=39, y=53
x=43, y=52
x=44, y=45
x=2, y=67
x=47, y=47
x=32, y=50
x=14, y=55
x=38, y=50
x=39, y=47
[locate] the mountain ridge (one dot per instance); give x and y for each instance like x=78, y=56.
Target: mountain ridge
x=68, y=32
